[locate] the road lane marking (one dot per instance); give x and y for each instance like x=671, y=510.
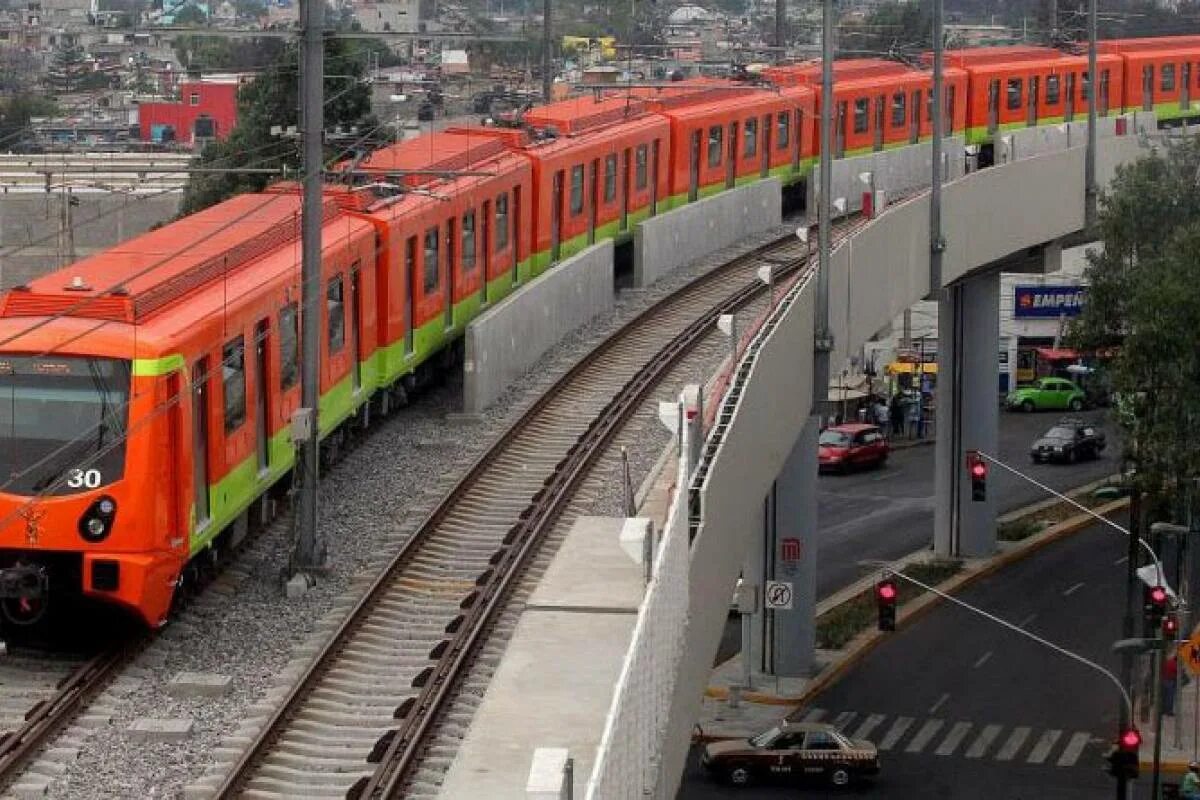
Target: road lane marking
x=1073, y=589
x=1120, y=561
x=814, y=715
x=940, y=702
x=1043, y=747
x=923, y=737
x=896, y=732
x=1014, y=743
x=843, y=719
x=1074, y=749
x=869, y=724
x=1027, y=620
x=983, y=659
x=953, y=739
x=984, y=740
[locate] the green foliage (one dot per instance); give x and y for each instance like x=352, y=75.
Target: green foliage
x=839, y=625
x=190, y=15
x=15, y=114
x=891, y=29
x=1145, y=299
x=1017, y=530
x=272, y=99
x=212, y=53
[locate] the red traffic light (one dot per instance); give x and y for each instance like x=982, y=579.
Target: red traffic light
x=979, y=470
x=1158, y=595
x=1130, y=739
x=1170, y=625
x=886, y=591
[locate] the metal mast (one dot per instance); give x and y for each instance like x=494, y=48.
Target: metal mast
x=1093, y=87
x=936, y=245
x=547, y=78
x=824, y=337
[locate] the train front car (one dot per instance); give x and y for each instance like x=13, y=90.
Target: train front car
x=85, y=488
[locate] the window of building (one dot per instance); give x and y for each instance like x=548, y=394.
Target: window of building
x=750, y=148
x=899, y=112
x=233, y=380
x=715, y=138
x=643, y=177
x=501, y=221
x=610, y=178
x=1052, y=90
x=862, y=117
x=1014, y=94
x=1168, y=77
x=432, y=271
x=468, y=241
x=194, y=98
x=576, y=190
x=783, y=130
x=335, y=306
x=289, y=346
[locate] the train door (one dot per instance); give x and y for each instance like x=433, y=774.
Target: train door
x=556, y=210
x=1185, y=86
x=263, y=404
x=451, y=233
x=1069, y=109
x=765, y=125
x=793, y=139
x=880, y=103
x=355, y=322
x=485, y=238
x=914, y=131
x=1031, y=110
x=625, y=159
x=179, y=509
x=410, y=281
x=839, y=136
x=1148, y=87
x=993, y=121
x=732, y=158
x=948, y=128
x=516, y=235
x=594, y=200
x=1102, y=109
x=200, y=440
x=654, y=156
x=694, y=169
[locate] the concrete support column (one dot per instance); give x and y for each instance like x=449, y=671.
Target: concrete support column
x=967, y=413
x=784, y=640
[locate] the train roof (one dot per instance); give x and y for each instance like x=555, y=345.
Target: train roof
x=809, y=72
x=136, y=279
x=586, y=111
x=1001, y=54
x=1149, y=43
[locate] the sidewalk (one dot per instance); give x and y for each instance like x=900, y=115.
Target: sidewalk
x=1181, y=733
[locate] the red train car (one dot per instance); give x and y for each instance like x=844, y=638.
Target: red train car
x=1160, y=75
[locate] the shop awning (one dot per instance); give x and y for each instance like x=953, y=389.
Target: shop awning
x=904, y=367
x=1057, y=354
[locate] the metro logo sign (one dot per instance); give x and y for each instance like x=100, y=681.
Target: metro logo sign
x=1048, y=301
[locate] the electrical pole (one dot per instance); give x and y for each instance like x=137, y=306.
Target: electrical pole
x=781, y=29
x=936, y=245
x=547, y=78
x=1093, y=87
x=309, y=553
x=824, y=337
x=1053, y=22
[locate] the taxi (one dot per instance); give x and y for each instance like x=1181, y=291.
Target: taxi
x=792, y=749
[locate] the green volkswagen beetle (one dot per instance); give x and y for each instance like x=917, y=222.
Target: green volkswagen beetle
x=1046, y=394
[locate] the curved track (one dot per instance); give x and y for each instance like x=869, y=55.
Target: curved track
x=361, y=718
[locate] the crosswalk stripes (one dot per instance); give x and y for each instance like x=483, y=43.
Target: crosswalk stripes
x=896, y=732
x=984, y=740
x=1073, y=750
x=869, y=724
x=1043, y=747
x=814, y=715
x=843, y=720
x=927, y=732
x=1016, y=740
x=953, y=739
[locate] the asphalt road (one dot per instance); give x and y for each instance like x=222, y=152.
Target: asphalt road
x=963, y=708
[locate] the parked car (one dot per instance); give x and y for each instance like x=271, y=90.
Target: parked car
x=792, y=750
x=1070, y=440
x=1053, y=394
x=843, y=447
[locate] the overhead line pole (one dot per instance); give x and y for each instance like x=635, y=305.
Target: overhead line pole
x=781, y=26
x=824, y=337
x=936, y=244
x=309, y=553
x=1090, y=191
x=547, y=78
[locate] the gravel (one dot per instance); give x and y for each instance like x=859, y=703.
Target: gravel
x=242, y=625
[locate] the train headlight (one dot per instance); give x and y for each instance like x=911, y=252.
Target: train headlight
x=96, y=523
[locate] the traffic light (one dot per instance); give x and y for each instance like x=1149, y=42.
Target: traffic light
x=1123, y=758
x=885, y=597
x=977, y=468
x=1170, y=627
x=1154, y=607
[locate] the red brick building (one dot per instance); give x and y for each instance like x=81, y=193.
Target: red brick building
x=205, y=110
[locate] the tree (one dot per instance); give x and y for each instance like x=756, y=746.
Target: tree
x=15, y=114
x=272, y=99
x=1144, y=300
x=892, y=29
x=190, y=15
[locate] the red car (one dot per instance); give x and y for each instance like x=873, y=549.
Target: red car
x=856, y=445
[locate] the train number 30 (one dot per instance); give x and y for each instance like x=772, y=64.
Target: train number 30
x=84, y=478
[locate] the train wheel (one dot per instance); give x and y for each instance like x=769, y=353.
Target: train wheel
x=24, y=611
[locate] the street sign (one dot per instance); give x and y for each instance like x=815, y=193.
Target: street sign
x=778, y=595
x=1189, y=655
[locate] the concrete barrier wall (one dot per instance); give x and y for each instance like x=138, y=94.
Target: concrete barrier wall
x=668, y=241
x=505, y=341
x=896, y=172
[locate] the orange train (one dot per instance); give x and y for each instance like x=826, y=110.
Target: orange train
x=146, y=392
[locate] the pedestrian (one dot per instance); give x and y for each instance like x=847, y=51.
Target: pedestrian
x=882, y=416
x=1190, y=788
x=1170, y=681
x=897, y=414
x=914, y=416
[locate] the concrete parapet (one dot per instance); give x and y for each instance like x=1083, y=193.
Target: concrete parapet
x=895, y=172
x=668, y=241
x=508, y=339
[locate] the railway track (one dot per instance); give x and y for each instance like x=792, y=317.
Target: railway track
x=359, y=721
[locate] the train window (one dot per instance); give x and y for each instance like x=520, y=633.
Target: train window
x=1052, y=90
x=289, y=346
x=610, y=178
x=716, y=135
x=468, y=241
x=643, y=178
x=929, y=105
x=233, y=383
x=1086, y=86
x=576, y=190
x=750, y=147
x=335, y=306
x=862, y=116
x=782, y=131
x=501, y=221
x=1168, y=77
x=1014, y=94
x=432, y=270
x=899, y=113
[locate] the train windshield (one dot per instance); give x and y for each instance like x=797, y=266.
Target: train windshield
x=62, y=423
